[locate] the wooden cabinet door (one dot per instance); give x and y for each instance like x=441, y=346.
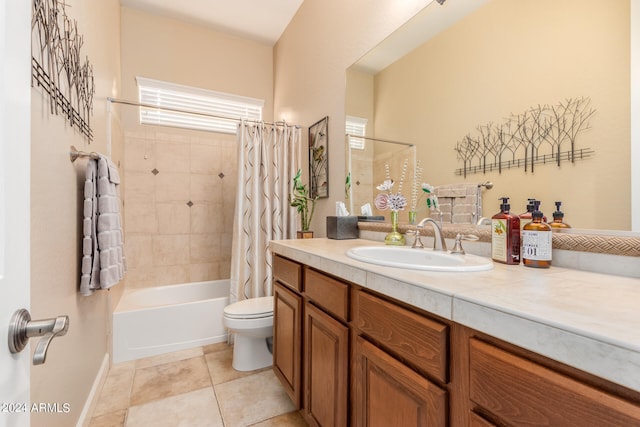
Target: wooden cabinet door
x=517, y=391
x=388, y=393
x=287, y=340
x=326, y=362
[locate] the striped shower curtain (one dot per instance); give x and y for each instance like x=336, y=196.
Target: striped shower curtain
x=268, y=159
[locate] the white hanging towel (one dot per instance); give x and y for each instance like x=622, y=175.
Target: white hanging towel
x=103, y=260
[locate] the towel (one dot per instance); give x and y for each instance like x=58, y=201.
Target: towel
x=103, y=261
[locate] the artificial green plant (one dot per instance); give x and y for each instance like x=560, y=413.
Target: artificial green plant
x=300, y=200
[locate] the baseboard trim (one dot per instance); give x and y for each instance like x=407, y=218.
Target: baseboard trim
x=94, y=393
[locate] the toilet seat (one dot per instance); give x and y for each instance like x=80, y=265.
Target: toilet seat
x=252, y=308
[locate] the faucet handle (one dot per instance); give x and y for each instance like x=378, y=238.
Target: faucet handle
x=417, y=243
x=457, y=247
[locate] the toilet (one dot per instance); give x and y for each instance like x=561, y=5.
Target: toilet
x=251, y=320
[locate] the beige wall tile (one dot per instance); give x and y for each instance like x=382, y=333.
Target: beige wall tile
x=139, y=250
x=173, y=218
x=139, y=155
x=205, y=187
x=205, y=248
x=204, y=272
x=224, y=269
x=140, y=186
x=173, y=156
x=207, y=218
x=140, y=217
x=172, y=187
x=206, y=159
x=170, y=275
x=170, y=249
x=141, y=277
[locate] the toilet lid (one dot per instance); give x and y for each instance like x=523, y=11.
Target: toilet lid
x=250, y=308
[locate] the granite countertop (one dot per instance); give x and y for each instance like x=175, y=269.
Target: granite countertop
x=586, y=320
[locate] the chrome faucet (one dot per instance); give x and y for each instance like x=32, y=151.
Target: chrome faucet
x=484, y=221
x=437, y=233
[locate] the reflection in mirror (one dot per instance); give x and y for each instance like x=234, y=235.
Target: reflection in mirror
x=369, y=159
x=481, y=66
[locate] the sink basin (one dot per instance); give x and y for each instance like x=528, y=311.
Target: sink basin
x=419, y=259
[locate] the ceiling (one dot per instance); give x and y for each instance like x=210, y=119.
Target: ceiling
x=260, y=20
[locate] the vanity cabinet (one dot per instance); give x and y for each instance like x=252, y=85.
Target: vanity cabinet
x=311, y=341
x=287, y=327
x=326, y=350
x=396, y=352
x=514, y=390
x=351, y=356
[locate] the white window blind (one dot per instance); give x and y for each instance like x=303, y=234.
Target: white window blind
x=205, y=109
x=356, y=126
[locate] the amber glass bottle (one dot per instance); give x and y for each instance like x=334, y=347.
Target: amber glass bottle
x=558, y=219
x=536, y=242
x=505, y=235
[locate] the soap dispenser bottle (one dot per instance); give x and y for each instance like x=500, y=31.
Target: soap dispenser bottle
x=536, y=241
x=505, y=235
x=525, y=217
x=558, y=219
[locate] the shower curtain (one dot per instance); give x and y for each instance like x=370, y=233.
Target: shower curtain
x=268, y=159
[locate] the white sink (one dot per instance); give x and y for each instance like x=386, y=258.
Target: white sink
x=419, y=259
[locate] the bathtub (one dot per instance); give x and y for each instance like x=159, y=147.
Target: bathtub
x=162, y=319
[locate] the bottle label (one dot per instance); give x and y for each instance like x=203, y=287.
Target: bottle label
x=536, y=245
x=499, y=232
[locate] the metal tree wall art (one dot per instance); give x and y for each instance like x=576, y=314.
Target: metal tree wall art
x=319, y=158
x=57, y=64
x=540, y=135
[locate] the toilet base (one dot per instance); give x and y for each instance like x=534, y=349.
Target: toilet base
x=250, y=354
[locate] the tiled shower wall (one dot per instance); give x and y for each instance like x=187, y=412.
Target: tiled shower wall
x=179, y=197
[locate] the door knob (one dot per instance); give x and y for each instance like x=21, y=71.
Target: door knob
x=21, y=328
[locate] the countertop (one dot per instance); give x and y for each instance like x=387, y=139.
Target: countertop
x=586, y=320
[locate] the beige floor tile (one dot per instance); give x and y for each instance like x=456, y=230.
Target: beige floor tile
x=212, y=348
x=170, y=379
x=113, y=419
x=116, y=390
x=220, y=369
x=162, y=359
x=193, y=409
x=251, y=399
x=292, y=419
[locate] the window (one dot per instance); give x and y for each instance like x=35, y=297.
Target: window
x=199, y=109
x=356, y=126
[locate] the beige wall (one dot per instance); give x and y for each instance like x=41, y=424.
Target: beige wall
x=170, y=50
x=322, y=41
x=169, y=242
x=74, y=360
x=504, y=58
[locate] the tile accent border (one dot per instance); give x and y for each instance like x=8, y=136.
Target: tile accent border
x=595, y=243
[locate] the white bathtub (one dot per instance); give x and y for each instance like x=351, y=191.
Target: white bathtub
x=162, y=319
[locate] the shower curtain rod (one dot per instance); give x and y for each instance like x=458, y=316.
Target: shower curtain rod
x=379, y=140
x=177, y=110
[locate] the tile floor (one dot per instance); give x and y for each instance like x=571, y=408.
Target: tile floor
x=191, y=388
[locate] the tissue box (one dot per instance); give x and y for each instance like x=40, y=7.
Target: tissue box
x=342, y=227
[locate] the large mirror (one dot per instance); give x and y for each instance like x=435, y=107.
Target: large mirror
x=475, y=64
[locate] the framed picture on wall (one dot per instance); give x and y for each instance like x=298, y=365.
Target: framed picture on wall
x=319, y=158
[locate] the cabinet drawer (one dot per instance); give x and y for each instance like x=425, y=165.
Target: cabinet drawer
x=287, y=272
x=330, y=294
x=410, y=336
x=518, y=391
